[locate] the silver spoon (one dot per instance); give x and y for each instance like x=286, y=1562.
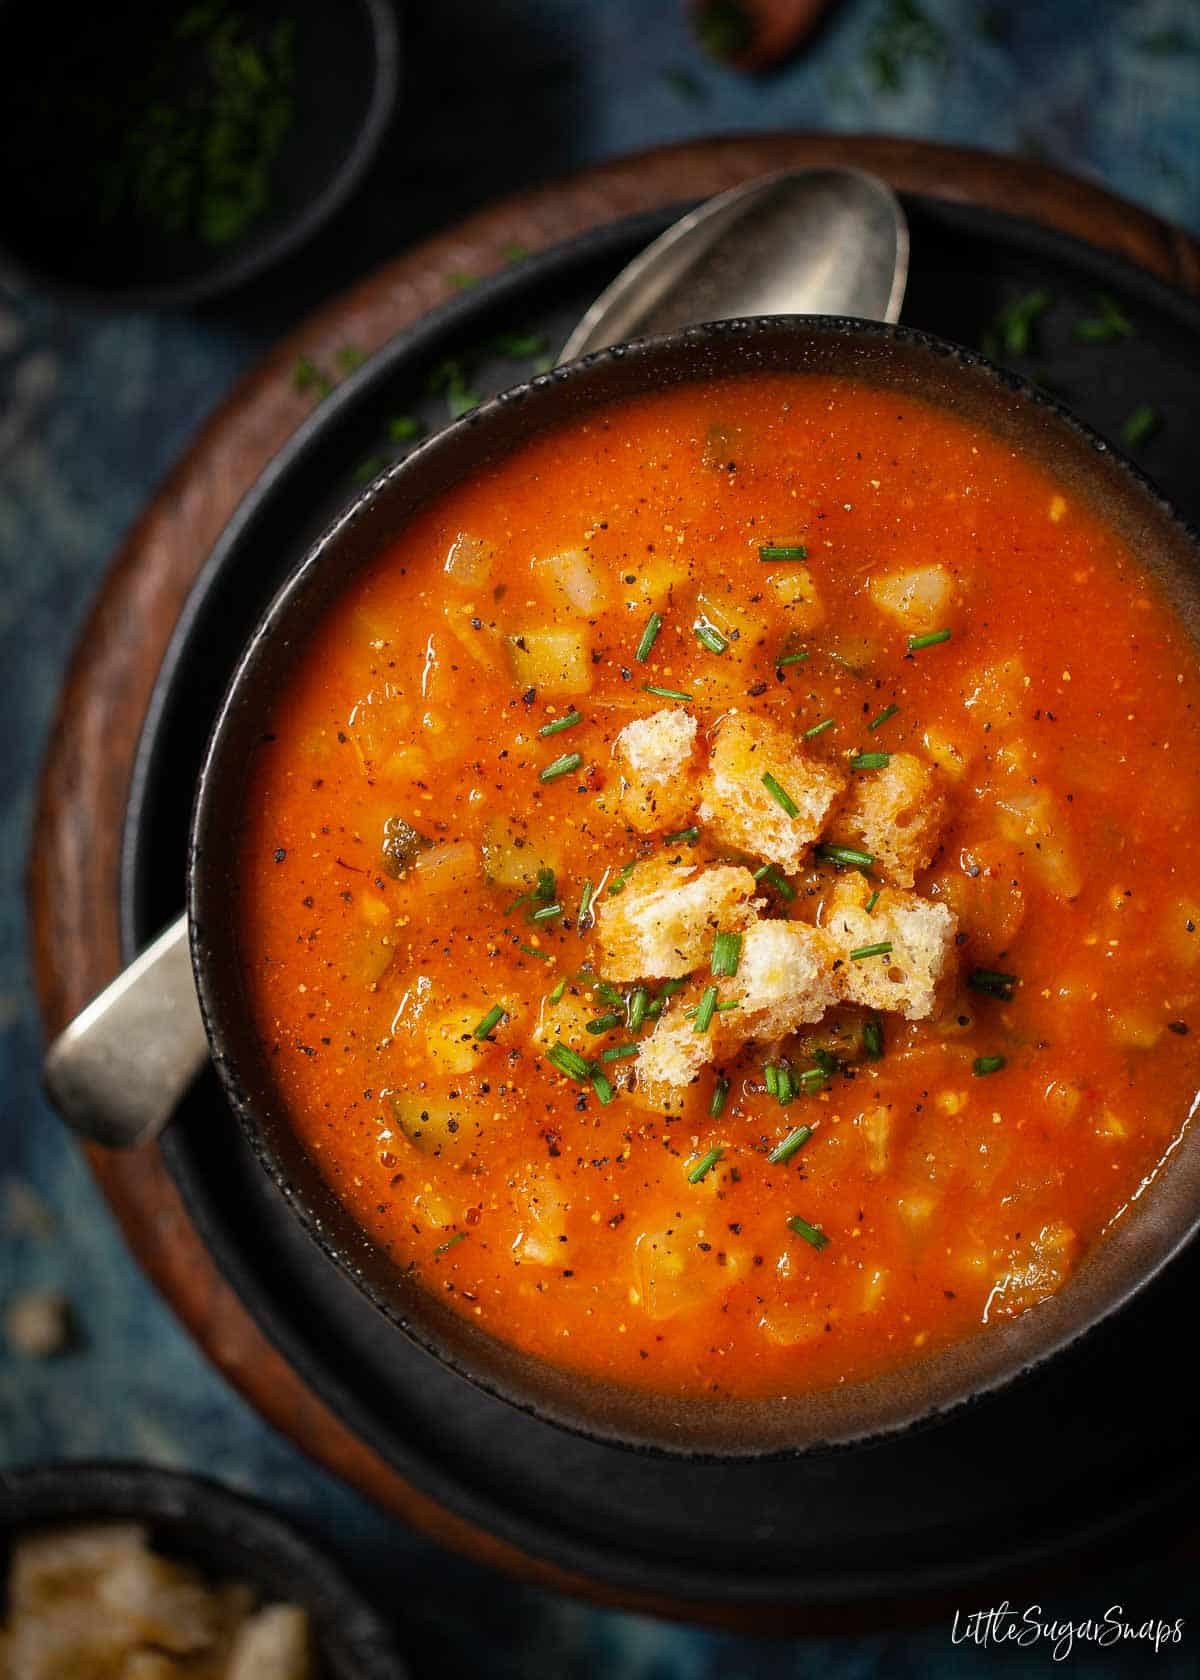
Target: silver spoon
x=804, y=242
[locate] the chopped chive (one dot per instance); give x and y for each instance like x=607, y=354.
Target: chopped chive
x=710, y=637
x=670, y=987
x=872, y=901
x=826, y=1062
x=544, y=891
x=794, y=1141
x=783, y=1085
x=703, y=1165
x=459, y=1236
x=522, y=898
x=618, y=1052
x=492, y=1019
x=720, y=1093
x=556, y=994
x=601, y=1086
x=726, y=954
x=666, y=693
x=987, y=1064
x=792, y=658
x=849, y=855
x=617, y=884
x=885, y=714
x=605, y=1023
x=547, y=913
x=649, y=637
x=930, y=639
x=771, y=1079
x=706, y=1009
x=770, y=874
x=610, y=994
x=559, y=724
x=1015, y=322
x=1111, y=324
x=402, y=428
x=639, y=1002
x=870, y=761
x=787, y=551
x=817, y=729
x=882, y=949
x=569, y=1061
x=811, y=1235
x=780, y=795
x=561, y=767
x=532, y=951
x=730, y=1003
x=872, y=1038
x=685, y=836
x=1140, y=426
x=585, y=905
x=992, y=983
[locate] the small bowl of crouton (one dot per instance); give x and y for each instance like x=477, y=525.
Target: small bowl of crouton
x=121, y=1569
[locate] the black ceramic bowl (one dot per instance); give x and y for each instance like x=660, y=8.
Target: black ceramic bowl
x=88, y=96
x=225, y=1536
x=890, y=357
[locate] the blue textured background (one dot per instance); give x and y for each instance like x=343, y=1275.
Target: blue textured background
x=93, y=410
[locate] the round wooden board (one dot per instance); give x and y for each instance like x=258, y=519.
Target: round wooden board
x=73, y=880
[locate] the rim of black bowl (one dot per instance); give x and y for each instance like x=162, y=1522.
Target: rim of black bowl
x=226, y=1535
x=1114, y=1272
x=256, y=254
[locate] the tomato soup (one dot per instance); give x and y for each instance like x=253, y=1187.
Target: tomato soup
x=717, y=895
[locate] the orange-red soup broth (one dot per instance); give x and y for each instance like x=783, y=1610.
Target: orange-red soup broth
x=414, y=947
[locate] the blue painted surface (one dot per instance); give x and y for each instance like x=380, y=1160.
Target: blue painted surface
x=93, y=411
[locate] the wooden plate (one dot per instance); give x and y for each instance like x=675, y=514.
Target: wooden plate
x=86, y=898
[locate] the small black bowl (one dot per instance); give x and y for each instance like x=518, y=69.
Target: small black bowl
x=891, y=358
x=81, y=87
x=224, y=1535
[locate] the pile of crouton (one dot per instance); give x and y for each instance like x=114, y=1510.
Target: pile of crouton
x=662, y=925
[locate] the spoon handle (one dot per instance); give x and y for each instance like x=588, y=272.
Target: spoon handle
x=118, y=1070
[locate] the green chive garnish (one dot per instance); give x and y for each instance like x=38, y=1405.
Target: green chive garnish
x=561, y=767
x=610, y=994
x=1140, y=426
x=649, y=637
x=930, y=639
x=872, y=901
x=559, y=724
x=870, y=761
x=402, y=428
x=720, y=1093
x=885, y=714
x=666, y=693
x=987, y=980
x=783, y=1084
x=771, y=876
x=441, y=1248
x=569, y=1061
x=817, y=729
x=780, y=795
x=556, y=994
x=771, y=1079
x=618, y=1052
x=710, y=637
x=605, y=1023
x=811, y=1235
x=794, y=1141
x=601, y=1086
x=617, y=884
x=872, y=1039
x=547, y=913
x=726, y=954
x=706, y=1009
x=790, y=551
x=703, y=1165
x=686, y=836
x=639, y=1002
x=585, y=904
x=988, y=1064
x=531, y=951
x=882, y=949
x=492, y=1019
x=1111, y=324
x=849, y=855
x=792, y=658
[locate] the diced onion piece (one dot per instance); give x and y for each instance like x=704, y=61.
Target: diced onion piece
x=574, y=576
x=469, y=560
x=446, y=869
x=917, y=598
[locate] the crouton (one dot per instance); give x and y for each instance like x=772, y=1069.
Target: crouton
x=662, y=924
x=739, y=809
x=655, y=757
x=785, y=980
x=672, y=1056
x=897, y=814
x=908, y=977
